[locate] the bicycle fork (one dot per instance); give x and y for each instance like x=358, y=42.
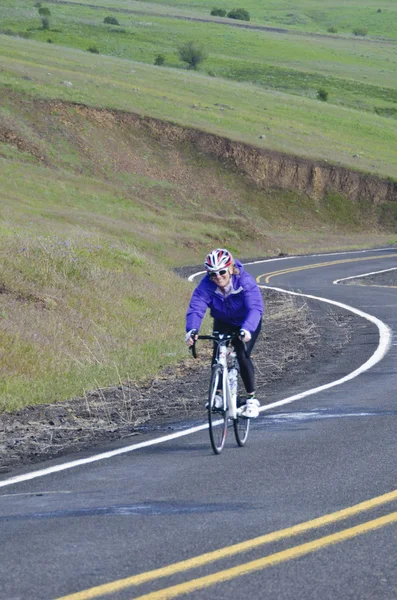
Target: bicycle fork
x=229, y=391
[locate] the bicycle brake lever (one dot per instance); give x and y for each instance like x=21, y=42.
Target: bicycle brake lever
x=193, y=347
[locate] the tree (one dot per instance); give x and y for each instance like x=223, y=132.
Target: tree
x=192, y=54
x=45, y=23
x=239, y=13
x=159, y=60
x=322, y=94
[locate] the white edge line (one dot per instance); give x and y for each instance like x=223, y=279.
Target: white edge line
x=385, y=339
x=97, y=457
x=364, y=275
x=384, y=344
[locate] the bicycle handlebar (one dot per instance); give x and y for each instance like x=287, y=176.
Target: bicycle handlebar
x=218, y=337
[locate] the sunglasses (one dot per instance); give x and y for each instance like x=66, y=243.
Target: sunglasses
x=216, y=273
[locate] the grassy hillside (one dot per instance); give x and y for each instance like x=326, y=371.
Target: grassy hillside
x=94, y=213
x=306, y=15
x=358, y=73
x=289, y=123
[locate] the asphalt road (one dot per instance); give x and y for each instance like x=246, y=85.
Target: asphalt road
x=308, y=509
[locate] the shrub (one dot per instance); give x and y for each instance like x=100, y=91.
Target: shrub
x=45, y=24
x=192, y=54
x=93, y=49
x=239, y=13
x=111, y=21
x=386, y=111
x=360, y=31
x=379, y=10
x=218, y=12
x=44, y=11
x=322, y=94
x=159, y=60
x=49, y=41
x=332, y=29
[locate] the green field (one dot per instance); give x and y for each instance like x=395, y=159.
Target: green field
x=307, y=15
x=93, y=214
x=291, y=124
x=361, y=60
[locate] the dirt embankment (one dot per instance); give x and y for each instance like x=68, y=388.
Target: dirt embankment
x=266, y=168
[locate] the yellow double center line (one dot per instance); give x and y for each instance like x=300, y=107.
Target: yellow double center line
x=316, y=266
x=255, y=565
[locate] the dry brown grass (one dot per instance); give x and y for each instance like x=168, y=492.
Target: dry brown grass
x=73, y=314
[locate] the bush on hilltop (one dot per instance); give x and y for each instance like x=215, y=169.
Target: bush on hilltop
x=360, y=31
x=218, y=12
x=111, y=21
x=239, y=13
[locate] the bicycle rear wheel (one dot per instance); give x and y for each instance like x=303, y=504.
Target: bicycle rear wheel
x=217, y=417
x=241, y=428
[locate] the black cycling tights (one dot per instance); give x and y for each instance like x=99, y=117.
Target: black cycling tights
x=247, y=370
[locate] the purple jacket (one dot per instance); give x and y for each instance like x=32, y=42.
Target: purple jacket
x=243, y=307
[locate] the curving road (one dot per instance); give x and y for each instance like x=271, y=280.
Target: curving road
x=308, y=509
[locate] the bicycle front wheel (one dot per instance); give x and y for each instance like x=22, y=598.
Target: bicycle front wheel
x=241, y=428
x=217, y=417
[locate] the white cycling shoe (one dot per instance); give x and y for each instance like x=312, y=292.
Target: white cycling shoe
x=251, y=408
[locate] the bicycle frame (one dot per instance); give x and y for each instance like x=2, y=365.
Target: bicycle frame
x=229, y=396
x=223, y=351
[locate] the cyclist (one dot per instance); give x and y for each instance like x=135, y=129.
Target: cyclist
x=236, y=304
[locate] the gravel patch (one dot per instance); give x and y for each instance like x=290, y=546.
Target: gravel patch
x=386, y=279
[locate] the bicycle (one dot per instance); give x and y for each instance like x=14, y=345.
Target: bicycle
x=224, y=370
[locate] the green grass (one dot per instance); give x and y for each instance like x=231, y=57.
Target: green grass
x=76, y=310
x=307, y=15
x=356, y=73
x=292, y=124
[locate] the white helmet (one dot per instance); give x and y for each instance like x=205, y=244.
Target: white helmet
x=218, y=259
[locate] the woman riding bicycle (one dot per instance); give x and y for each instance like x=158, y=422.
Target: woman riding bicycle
x=236, y=304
